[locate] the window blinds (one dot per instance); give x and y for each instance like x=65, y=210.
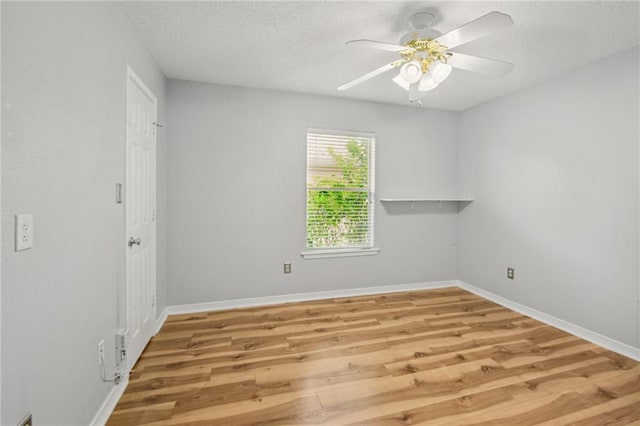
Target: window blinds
x=340, y=189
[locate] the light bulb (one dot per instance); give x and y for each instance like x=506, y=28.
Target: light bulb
x=427, y=83
x=411, y=71
x=401, y=82
x=439, y=71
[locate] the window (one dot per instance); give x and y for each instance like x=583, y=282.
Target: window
x=340, y=193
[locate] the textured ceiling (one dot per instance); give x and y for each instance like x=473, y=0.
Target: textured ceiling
x=300, y=46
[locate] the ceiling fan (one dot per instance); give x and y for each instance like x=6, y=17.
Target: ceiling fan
x=425, y=59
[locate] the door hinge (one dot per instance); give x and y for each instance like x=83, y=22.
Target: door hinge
x=153, y=300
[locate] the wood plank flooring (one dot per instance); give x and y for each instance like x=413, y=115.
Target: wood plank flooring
x=439, y=357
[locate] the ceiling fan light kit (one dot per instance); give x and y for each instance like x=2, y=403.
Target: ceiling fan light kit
x=426, y=60
x=427, y=83
x=401, y=82
x=411, y=71
x=440, y=71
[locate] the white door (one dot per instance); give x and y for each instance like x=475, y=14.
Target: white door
x=140, y=198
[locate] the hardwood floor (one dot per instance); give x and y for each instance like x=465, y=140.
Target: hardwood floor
x=441, y=357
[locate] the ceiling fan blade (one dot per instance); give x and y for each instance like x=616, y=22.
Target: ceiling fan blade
x=475, y=29
x=484, y=66
x=378, y=45
x=369, y=75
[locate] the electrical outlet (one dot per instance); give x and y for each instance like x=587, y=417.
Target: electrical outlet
x=100, y=351
x=510, y=273
x=26, y=421
x=24, y=231
x=287, y=267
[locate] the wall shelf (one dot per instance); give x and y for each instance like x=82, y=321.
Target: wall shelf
x=415, y=200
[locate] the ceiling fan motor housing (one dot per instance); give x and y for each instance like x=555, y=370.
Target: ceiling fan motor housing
x=419, y=40
x=420, y=24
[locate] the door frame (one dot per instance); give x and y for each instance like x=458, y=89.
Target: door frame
x=132, y=76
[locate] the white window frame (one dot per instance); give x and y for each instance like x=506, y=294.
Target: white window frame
x=323, y=253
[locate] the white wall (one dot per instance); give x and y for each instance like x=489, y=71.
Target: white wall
x=554, y=170
x=63, y=80
x=237, y=193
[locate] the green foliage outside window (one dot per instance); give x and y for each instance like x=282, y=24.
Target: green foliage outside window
x=338, y=207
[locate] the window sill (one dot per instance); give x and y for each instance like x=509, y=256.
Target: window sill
x=327, y=253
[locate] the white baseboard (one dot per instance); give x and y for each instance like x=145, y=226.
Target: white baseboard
x=103, y=414
x=160, y=320
x=586, y=334
x=303, y=297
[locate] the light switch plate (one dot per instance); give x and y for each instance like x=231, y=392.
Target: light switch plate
x=24, y=231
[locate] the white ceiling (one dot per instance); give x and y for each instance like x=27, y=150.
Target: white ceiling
x=300, y=46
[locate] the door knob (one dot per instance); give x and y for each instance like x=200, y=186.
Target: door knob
x=134, y=241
